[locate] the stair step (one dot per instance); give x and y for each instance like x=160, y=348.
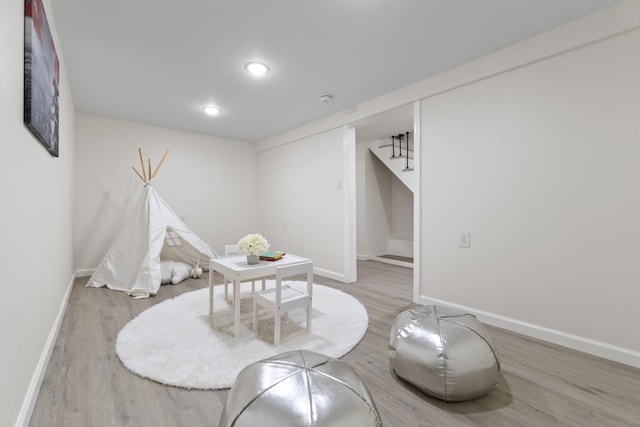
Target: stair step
x=396, y=167
x=404, y=147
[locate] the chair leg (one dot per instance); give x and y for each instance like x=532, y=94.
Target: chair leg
x=276, y=329
x=264, y=284
x=255, y=313
x=308, y=317
x=253, y=286
x=226, y=289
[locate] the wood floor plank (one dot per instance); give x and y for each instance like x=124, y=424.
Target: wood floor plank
x=541, y=384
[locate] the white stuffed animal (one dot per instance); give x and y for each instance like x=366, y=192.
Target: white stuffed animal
x=173, y=272
x=196, y=271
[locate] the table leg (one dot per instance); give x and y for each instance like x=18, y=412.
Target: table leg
x=211, y=273
x=236, y=304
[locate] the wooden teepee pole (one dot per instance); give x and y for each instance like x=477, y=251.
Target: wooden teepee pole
x=138, y=173
x=144, y=173
x=147, y=174
x=159, y=164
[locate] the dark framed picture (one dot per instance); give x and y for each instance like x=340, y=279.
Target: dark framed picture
x=41, y=77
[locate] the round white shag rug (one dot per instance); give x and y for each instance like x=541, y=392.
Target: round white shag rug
x=177, y=343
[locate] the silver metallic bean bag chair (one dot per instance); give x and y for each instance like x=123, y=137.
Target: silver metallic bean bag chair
x=298, y=389
x=445, y=353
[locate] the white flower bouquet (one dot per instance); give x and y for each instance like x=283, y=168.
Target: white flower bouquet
x=253, y=244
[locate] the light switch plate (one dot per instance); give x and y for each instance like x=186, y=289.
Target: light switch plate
x=464, y=239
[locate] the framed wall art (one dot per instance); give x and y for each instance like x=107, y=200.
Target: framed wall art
x=41, y=77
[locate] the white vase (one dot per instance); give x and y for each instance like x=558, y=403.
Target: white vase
x=253, y=259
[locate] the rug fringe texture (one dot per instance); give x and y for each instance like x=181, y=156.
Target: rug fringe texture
x=177, y=343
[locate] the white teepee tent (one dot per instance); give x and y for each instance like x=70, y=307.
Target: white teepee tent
x=154, y=232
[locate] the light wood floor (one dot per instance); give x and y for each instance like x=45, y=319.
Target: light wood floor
x=541, y=384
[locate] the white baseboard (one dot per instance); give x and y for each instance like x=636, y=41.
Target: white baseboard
x=319, y=271
x=87, y=272
x=393, y=261
x=330, y=274
x=585, y=345
x=379, y=258
x=400, y=247
x=368, y=257
x=38, y=375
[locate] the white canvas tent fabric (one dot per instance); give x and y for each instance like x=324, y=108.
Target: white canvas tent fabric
x=153, y=232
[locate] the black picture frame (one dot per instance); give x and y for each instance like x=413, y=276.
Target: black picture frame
x=41, y=78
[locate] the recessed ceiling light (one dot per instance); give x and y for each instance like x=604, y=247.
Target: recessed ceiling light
x=211, y=110
x=256, y=68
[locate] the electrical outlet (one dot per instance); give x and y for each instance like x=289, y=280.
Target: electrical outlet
x=464, y=239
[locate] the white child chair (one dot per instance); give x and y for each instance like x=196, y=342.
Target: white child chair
x=284, y=298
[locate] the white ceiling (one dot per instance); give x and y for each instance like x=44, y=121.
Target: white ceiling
x=160, y=61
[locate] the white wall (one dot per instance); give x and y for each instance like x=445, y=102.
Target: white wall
x=298, y=187
x=374, y=203
x=542, y=165
x=401, y=210
x=207, y=180
x=36, y=253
